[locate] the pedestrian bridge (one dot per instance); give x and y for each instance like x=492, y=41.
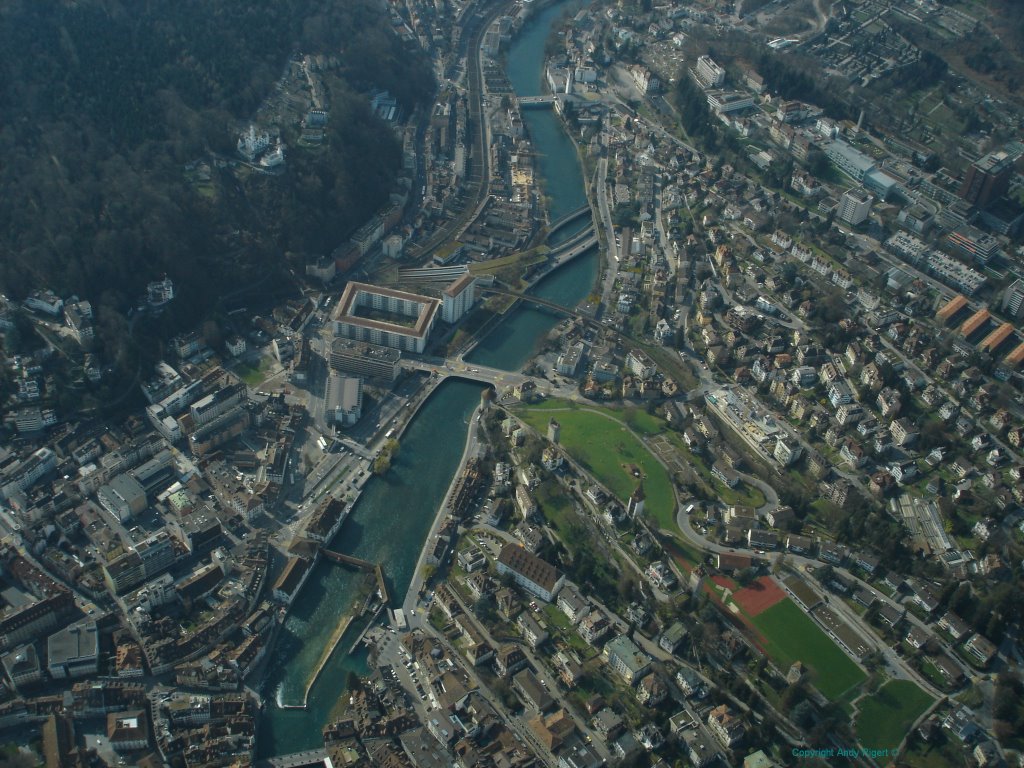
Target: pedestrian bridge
x=363, y=565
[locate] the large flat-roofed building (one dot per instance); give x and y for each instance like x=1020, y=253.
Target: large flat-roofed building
x=854, y=206
x=623, y=655
x=708, y=73
x=366, y=360
x=22, y=665
x=74, y=651
x=213, y=405
x=953, y=273
x=850, y=161
x=378, y=315
x=724, y=102
x=124, y=497
x=973, y=243
x=1013, y=299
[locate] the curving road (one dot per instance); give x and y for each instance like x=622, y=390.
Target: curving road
x=895, y=665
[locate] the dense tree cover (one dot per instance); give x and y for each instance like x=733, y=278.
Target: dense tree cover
x=103, y=104
x=792, y=82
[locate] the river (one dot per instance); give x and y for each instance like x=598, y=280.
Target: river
x=513, y=342
x=393, y=516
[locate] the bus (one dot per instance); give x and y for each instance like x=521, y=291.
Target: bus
x=322, y=443
x=390, y=432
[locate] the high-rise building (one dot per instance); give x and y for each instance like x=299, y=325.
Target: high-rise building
x=1013, y=299
x=987, y=179
x=854, y=206
x=708, y=73
x=458, y=298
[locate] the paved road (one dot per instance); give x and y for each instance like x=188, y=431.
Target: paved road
x=612, y=249
x=896, y=665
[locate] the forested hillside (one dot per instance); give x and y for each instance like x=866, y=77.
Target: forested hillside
x=102, y=103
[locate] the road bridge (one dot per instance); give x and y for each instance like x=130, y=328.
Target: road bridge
x=536, y=102
x=534, y=300
x=570, y=249
x=543, y=101
x=569, y=218
x=454, y=368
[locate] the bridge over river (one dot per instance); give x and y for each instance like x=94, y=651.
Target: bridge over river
x=363, y=565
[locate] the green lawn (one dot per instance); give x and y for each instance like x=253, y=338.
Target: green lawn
x=742, y=495
x=607, y=449
x=252, y=375
x=637, y=419
x=886, y=715
x=557, y=508
x=641, y=421
x=791, y=635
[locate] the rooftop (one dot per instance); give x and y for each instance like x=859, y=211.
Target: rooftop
x=350, y=300
x=529, y=566
x=79, y=641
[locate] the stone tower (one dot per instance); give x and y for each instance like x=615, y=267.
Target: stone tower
x=554, y=428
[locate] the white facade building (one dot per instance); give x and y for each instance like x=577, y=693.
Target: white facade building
x=458, y=298
x=854, y=206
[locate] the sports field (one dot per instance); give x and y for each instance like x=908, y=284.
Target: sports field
x=761, y=595
x=604, y=446
x=725, y=582
x=884, y=718
x=791, y=635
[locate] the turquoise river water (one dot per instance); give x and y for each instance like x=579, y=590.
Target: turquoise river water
x=394, y=514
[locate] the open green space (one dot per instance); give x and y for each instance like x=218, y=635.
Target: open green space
x=251, y=375
x=638, y=419
x=791, y=635
x=939, y=752
x=886, y=716
x=743, y=494
x=603, y=445
x=557, y=508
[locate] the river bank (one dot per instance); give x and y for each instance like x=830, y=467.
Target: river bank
x=396, y=513
x=388, y=524
x=418, y=579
